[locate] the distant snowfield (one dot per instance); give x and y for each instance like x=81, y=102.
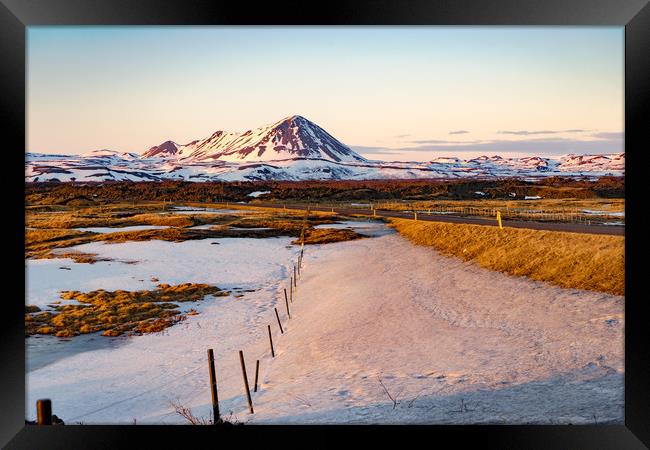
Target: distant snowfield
x=450, y=341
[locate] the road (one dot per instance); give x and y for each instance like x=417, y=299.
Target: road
x=546, y=226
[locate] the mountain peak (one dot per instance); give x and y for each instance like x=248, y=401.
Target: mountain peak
x=293, y=137
x=167, y=148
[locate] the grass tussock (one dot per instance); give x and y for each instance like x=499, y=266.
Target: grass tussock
x=327, y=235
x=117, y=312
x=571, y=260
x=78, y=257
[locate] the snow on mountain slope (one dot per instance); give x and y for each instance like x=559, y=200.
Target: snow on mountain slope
x=292, y=149
x=290, y=138
x=578, y=163
x=40, y=167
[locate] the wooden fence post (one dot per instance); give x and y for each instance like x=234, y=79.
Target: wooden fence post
x=248, y=391
x=291, y=289
x=278, y=317
x=287, y=303
x=257, y=371
x=213, y=388
x=294, y=275
x=271, y=341
x=44, y=412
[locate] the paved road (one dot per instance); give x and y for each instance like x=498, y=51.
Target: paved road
x=548, y=226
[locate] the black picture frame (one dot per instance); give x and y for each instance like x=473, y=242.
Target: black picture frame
x=16, y=15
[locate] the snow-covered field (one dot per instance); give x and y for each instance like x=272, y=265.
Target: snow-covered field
x=122, y=229
x=449, y=341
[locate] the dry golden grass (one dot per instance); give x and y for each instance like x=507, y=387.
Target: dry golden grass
x=75, y=219
x=54, y=231
x=117, y=312
x=327, y=235
x=551, y=205
x=78, y=257
x=571, y=260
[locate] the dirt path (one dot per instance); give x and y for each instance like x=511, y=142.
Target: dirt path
x=449, y=341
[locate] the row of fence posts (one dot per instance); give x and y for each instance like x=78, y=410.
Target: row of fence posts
x=211, y=366
x=551, y=216
x=564, y=216
x=44, y=406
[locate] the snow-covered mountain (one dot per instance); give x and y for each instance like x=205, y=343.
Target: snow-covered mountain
x=290, y=138
x=293, y=149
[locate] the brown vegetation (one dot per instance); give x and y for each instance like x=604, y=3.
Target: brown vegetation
x=117, y=312
x=52, y=193
x=571, y=260
x=52, y=231
x=327, y=235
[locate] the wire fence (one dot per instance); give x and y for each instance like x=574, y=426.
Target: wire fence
x=294, y=269
x=556, y=215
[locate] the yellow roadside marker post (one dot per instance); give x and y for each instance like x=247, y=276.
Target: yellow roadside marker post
x=499, y=219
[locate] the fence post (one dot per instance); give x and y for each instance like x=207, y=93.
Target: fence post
x=248, y=391
x=44, y=412
x=271, y=341
x=287, y=303
x=213, y=388
x=291, y=289
x=278, y=317
x=257, y=371
x=415, y=215
x=294, y=275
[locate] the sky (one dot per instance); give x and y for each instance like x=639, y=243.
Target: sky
x=390, y=93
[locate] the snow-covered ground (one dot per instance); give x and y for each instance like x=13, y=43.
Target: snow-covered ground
x=122, y=229
x=258, y=193
x=604, y=213
x=450, y=341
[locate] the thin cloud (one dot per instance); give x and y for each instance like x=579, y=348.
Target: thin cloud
x=439, y=141
x=546, y=146
x=609, y=135
x=401, y=136
x=459, y=132
x=530, y=133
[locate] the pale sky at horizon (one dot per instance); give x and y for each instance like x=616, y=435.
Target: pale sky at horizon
x=393, y=93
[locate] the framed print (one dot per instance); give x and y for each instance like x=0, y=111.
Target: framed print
x=412, y=218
